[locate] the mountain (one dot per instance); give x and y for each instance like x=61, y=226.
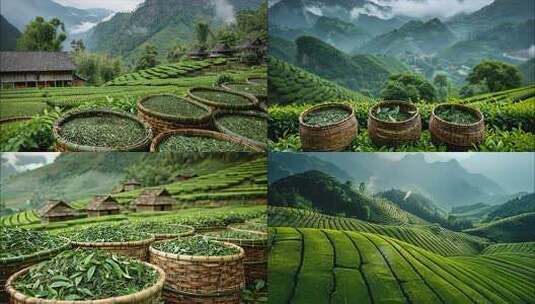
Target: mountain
x=528, y=71
x=360, y=72
x=282, y=165
x=8, y=35
x=21, y=12
x=282, y=49
x=516, y=206
x=345, y=36
x=163, y=23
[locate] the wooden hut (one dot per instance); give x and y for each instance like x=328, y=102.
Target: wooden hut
x=56, y=210
x=154, y=200
x=129, y=185
x=222, y=51
x=102, y=205
x=37, y=69
x=198, y=54
x=185, y=177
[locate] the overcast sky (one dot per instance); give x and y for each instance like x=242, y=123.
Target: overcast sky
x=115, y=5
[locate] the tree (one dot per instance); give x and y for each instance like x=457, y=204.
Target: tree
x=41, y=35
x=497, y=76
x=442, y=84
x=202, y=30
x=227, y=38
x=175, y=53
x=97, y=68
x=148, y=59
x=410, y=87
x=78, y=46
x=362, y=187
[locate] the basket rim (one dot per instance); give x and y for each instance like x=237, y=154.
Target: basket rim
x=22, y=258
x=199, y=258
x=126, y=299
x=393, y=102
x=237, y=240
x=475, y=111
x=174, y=118
x=345, y=106
x=253, y=101
x=75, y=114
x=112, y=244
x=220, y=113
x=201, y=133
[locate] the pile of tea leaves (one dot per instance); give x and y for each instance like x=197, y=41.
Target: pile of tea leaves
x=325, y=117
x=392, y=114
x=196, y=246
x=222, y=97
x=107, y=233
x=86, y=275
x=181, y=143
x=155, y=227
x=256, y=90
x=171, y=105
x=103, y=131
x=15, y=242
x=237, y=234
x=247, y=126
x=456, y=115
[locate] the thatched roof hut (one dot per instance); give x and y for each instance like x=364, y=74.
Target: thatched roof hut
x=222, y=50
x=103, y=205
x=57, y=210
x=185, y=176
x=154, y=200
x=129, y=185
x=198, y=53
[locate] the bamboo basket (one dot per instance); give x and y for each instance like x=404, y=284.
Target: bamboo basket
x=393, y=134
x=334, y=137
x=201, y=275
x=458, y=137
x=135, y=249
x=9, y=266
x=252, y=101
x=222, y=129
x=65, y=146
x=261, y=98
x=255, y=259
x=151, y=295
x=170, y=236
x=203, y=229
x=203, y=133
x=162, y=122
x=176, y=297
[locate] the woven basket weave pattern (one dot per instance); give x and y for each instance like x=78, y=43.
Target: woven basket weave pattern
x=137, y=249
x=222, y=129
x=394, y=133
x=457, y=137
x=175, y=297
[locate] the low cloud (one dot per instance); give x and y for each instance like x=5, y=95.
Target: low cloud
x=224, y=11
x=422, y=8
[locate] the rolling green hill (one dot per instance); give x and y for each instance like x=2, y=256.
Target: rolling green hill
x=517, y=228
x=516, y=206
x=327, y=266
x=525, y=247
x=360, y=72
x=282, y=49
x=282, y=165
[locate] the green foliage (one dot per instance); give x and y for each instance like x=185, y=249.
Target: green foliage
x=202, y=31
x=497, y=76
x=196, y=246
x=175, y=53
x=78, y=46
x=16, y=242
x=34, y=135
x=42, y=35
x=253, y=23
x=97, y=68
x=86, y=275
x=148, y=59
x=510, y=229
x=409, y=87
x=516, y=206
x=222, y=79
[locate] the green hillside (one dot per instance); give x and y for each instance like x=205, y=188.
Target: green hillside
x=282, y=49
x=361, y=72
x=8, y=35
x=526, y=247
x=517, y=228
x=430, y=237
x=513, y=207
x=528, y=71
x=327, y=266
x=344, y=35
x=289, y=84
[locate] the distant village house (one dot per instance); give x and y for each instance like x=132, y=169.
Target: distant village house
x=37, y=69
x=102, y=205
x=56, y=210
x=129, y=185
x=154, y=200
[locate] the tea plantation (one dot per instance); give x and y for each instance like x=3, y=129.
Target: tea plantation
x=335, y=266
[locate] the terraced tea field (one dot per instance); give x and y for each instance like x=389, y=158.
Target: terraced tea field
x=329, y=266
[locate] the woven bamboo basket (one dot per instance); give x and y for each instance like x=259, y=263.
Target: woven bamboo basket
x=170, y=236
x=247, y=147
x=334, y=137
x=458, y=137
x=162, y=122
x=65, y=146
x=219, y=114
x=250, y=105
x=151, y=295
x=262, y=98
x=135, y=249
x=393, y=134
x=201, y=275
x=176, y=297
x=255, y=259
x=9, y=266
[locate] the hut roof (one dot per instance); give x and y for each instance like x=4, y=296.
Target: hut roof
x=48, y=208
x=158, y=196
x=132, y=181
x=103, y=202
x=222, y=49
x=35, y=61
x=253, y=44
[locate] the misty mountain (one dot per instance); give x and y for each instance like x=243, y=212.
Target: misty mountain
x=282, y=165
x=282, y=49
x=8, y=35
x=13, y=164
x=163, y=23
x=21, y=12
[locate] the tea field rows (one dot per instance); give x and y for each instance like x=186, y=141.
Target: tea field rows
x=430, y=237
x=328, y=266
